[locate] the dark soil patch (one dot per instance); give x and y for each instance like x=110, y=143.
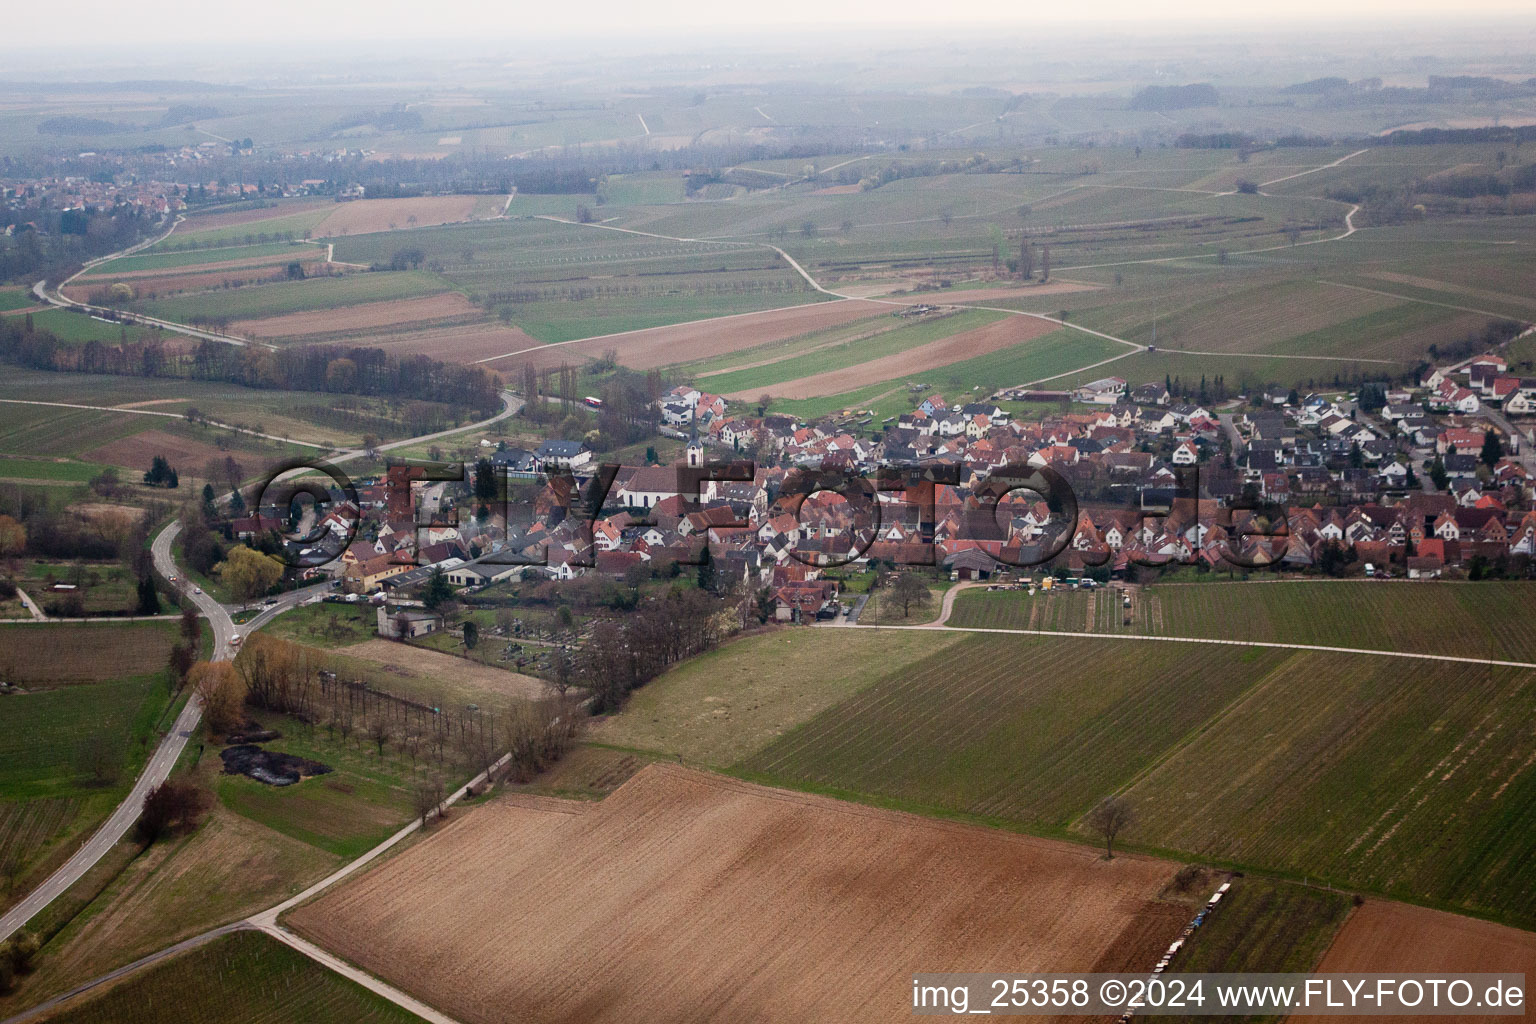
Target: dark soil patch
x=269, y=766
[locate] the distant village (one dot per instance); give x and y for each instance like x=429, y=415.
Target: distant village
x=1430, y=481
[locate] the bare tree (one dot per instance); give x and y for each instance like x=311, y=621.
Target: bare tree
x=1109, y=818
x=428, y=797
x=907, y=591
x=380, y=732
x=99, y=758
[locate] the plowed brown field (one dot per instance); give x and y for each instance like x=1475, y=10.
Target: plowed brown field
x=1397, y=938
x=472, y=342
x=188, y=456
x=687, y=897
x=974, y=295
x=365, y=215
x=965, y=345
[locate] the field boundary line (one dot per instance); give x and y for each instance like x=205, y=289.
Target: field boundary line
x=1134, y=347
x=168, y=415
x=638, y=330
x=184, y=946
x=1275, y=644
x=1314, y=170
x=341, y=968
x=1410, y=298
x=1276, y=355
x=1349, y=229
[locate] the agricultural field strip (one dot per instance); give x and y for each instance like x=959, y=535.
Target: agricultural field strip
x=896, y=340
x=185, y=946
x=1349, y=229
x=363, y=978
x=1276, y=355
x=1461, y=659
x=62, y=301
x=168, y=415
x=1408, y=298
x=196, y=260
x=1134, y=347
x=620, y=334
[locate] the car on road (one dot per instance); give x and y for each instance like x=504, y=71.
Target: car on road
x=197, y=590
x=234, y=641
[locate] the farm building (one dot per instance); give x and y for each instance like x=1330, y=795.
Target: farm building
x=407, y=623
x=970, y=564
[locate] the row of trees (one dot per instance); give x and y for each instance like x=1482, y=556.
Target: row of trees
x=625, y=653
x=360, y=371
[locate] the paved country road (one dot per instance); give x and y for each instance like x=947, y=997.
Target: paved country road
x=154, y=773
x=165, y=756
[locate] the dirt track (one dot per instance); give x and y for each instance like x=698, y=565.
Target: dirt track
x=691, y=897
x=1394, y=937
x=965, y=345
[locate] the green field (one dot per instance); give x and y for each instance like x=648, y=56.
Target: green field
x=76, y=327
x=560, y=281
x=279, y=225
x=899, y=337
x=195, y=258
x=559, y=320
x=1013, y=729
x=296, y=296
x=1037, y=359
x=68, y=755
x=41, y=736
x=327, y=624
x=1409, y=779
x=51, y=470
x=16, y=298
x=1264, y=925
x=720, y=707
x=243, y=978
x=309, y=416
x=346, y=812
x=1476, y=620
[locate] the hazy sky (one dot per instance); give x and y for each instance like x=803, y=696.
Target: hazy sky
x=99, y=22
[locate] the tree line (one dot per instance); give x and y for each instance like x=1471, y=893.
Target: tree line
x=357, y=371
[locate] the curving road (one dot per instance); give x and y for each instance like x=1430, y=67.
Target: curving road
x=165, y=756
x=155, y=771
